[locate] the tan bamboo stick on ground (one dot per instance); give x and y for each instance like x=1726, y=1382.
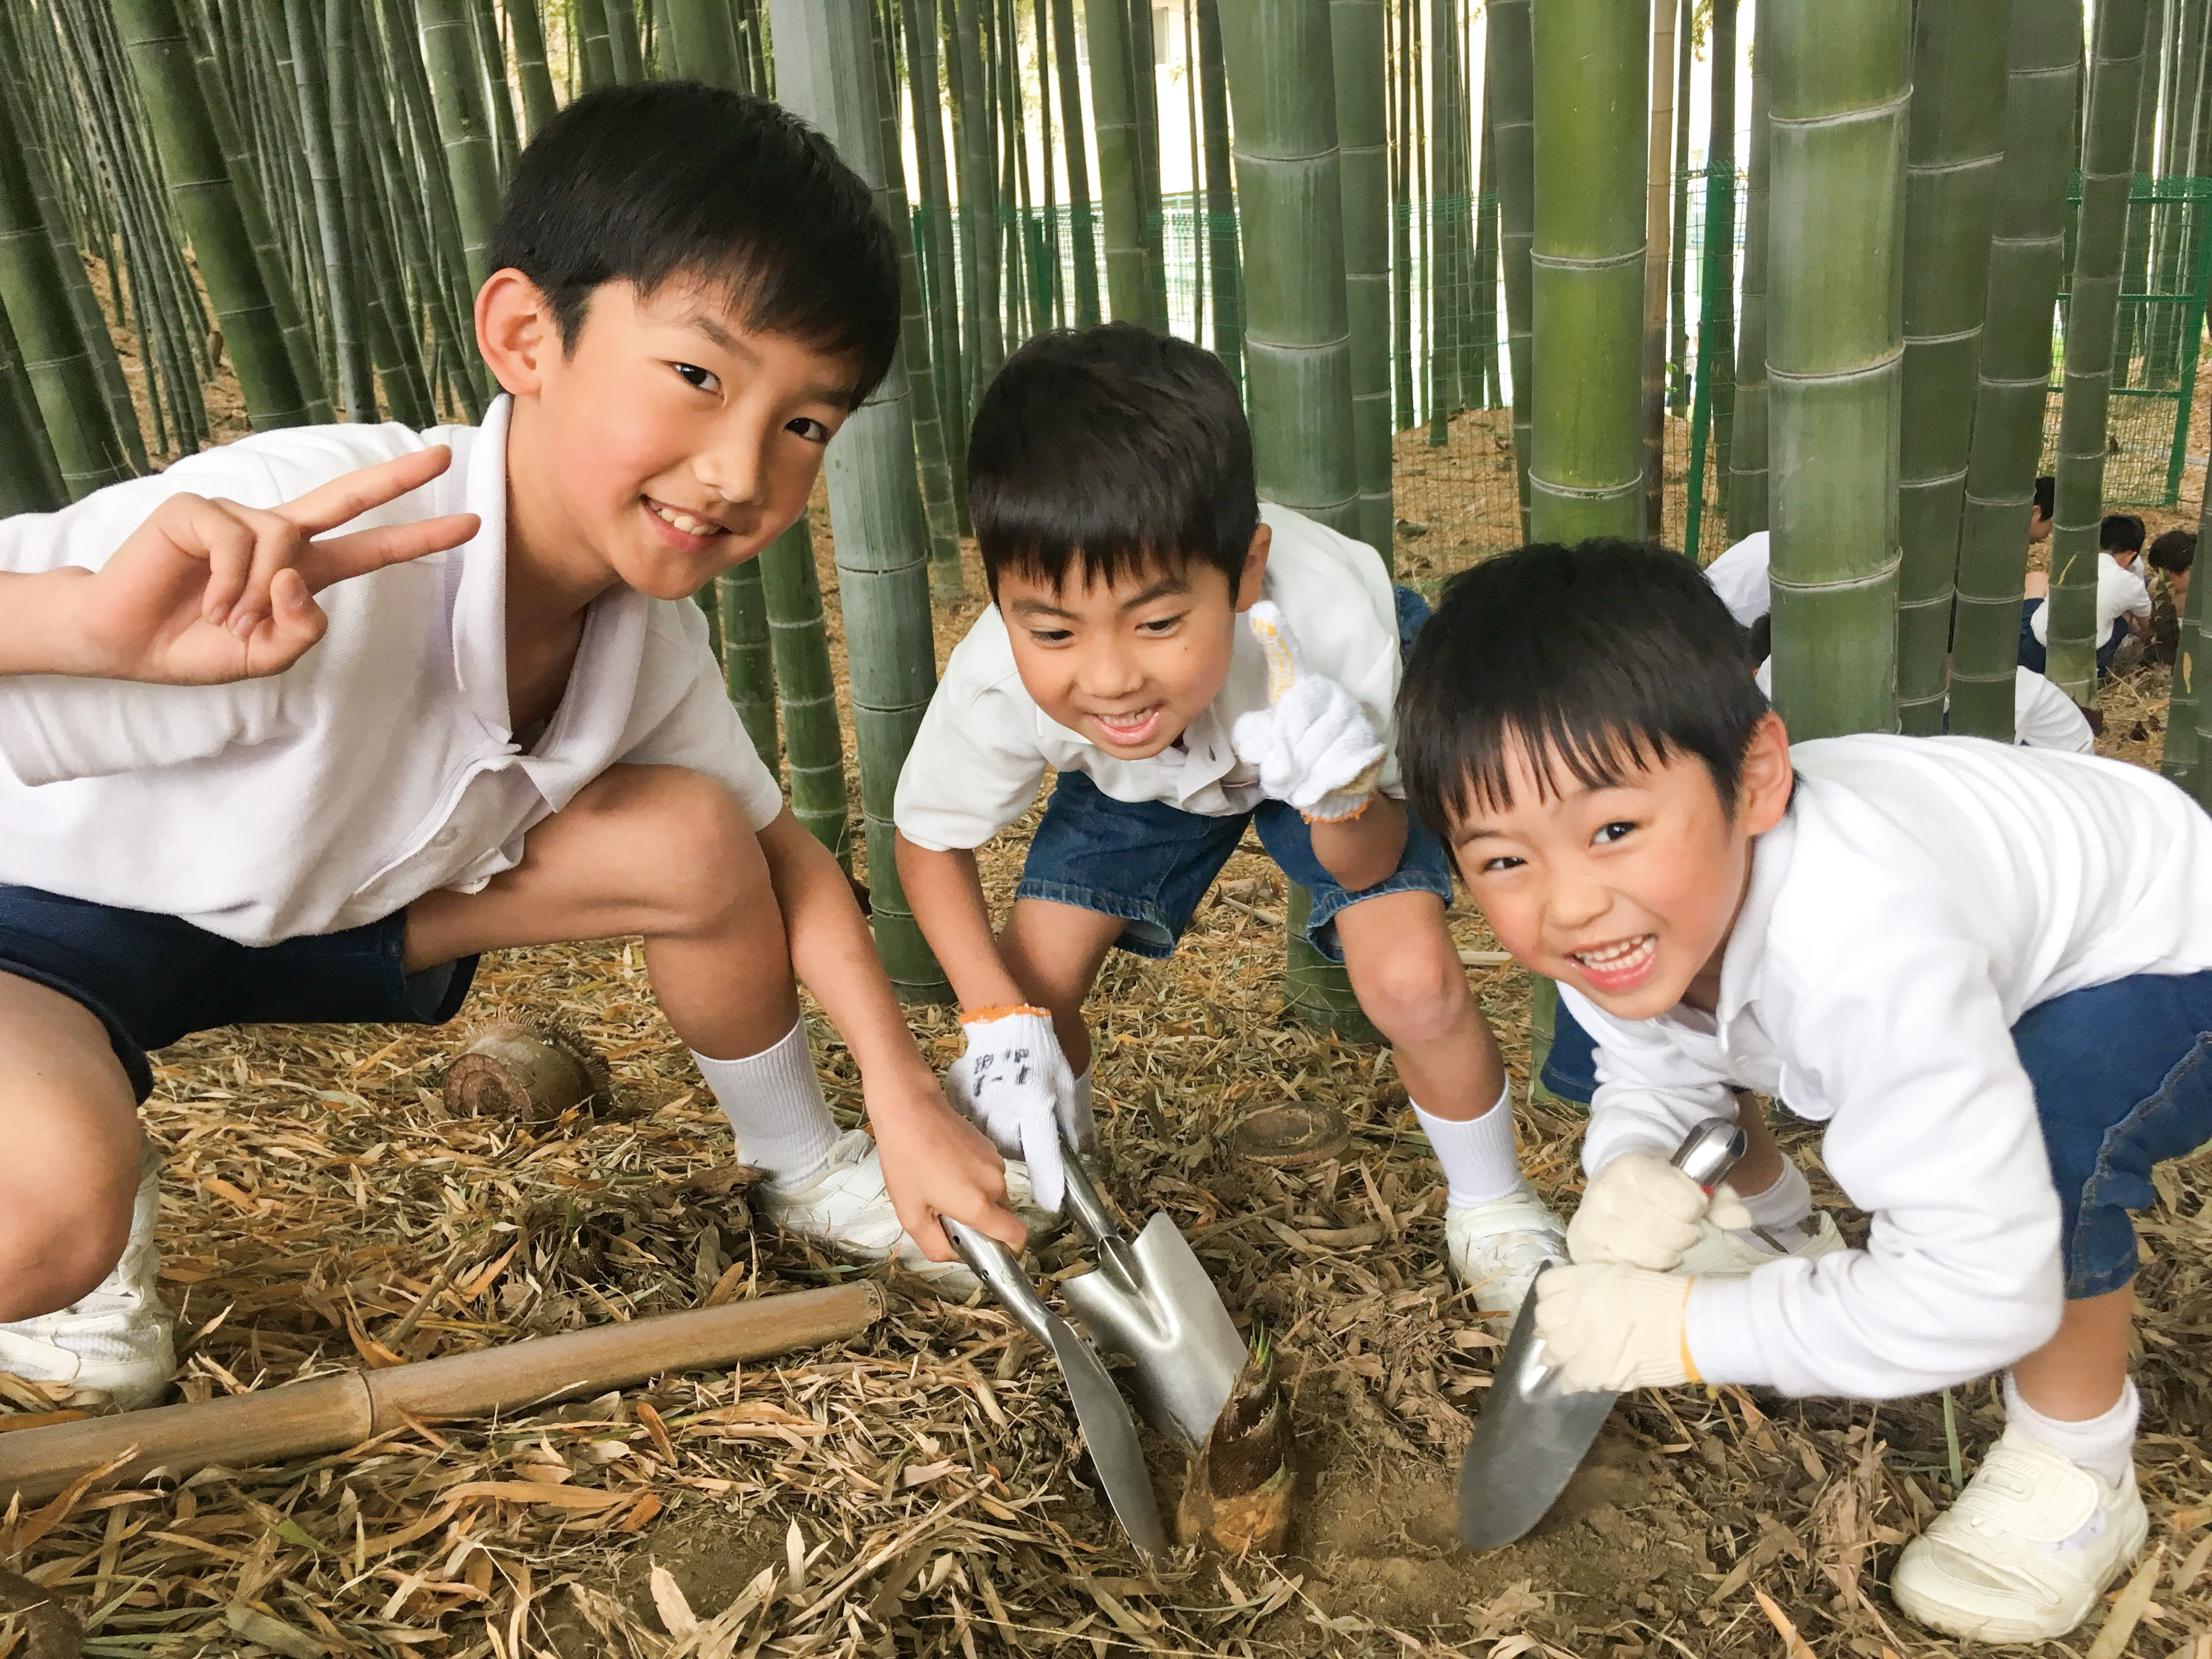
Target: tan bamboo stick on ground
x=329, y=1413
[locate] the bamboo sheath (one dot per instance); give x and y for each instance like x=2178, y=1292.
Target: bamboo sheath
x=2028, y=250
x=330, y=1413
x=1954, y=149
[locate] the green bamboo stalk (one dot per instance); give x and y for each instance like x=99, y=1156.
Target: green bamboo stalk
x=2108, y=160
x=1082, y=227
x=2135, y=270
x=1144, y=80
x=1115, y=106
x=1658, y=207
x=622, y=41
x=1586, y=461
x=356, y=379
x=814, y=746
x=1719, y=352
x=954, y=399
x=1954, y=147
x=1401, y=221
x=1678, y=266
x=1198, y=240
x=971, y=84
x=2182, y=756
x=1226, y=260
x=30, y=477
x=1747, y=474
x=1356, y=49
x=1510, y=97
x=822, y=72
x=747, y=667
x=1485, y=300
x=1446, y=121
x=531, y=71
x=342, y=295
x=449, y=55
x=595, y=53
x=1841, y=88
x=55, y=362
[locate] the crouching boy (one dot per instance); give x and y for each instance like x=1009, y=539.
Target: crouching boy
x=1987, y=970
x=1190, y=662
x=513, y=735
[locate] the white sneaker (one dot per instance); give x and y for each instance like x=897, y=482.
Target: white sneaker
x=115, y=1347
x=1497, y=1249
x=1719, y=1252
x=848, y=1208
x=2026, y=1552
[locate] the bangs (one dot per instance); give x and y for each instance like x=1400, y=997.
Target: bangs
x=1553, y=751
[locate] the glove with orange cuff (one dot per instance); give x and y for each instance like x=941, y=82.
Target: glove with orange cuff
x=1015, y=1082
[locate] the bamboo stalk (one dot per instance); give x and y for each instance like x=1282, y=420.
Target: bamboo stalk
x=530, y=70
x=1840, y=92
x=2182, y=758
x=1402, y=222
x=813, y=745
x=1356, y=50
x=1678, y=266
x=747, y=668
x=822, y=72
x=1121, y=164
x=1954, y=147
x=1717, y=350
x=30, y=478
x=1144, y=79
x=2107, y=168
x=1658, y=213
x=449, y=56
x=1747, y=456
x=1227, y=261
x=1445, y=123
x=1510, y=98
x=1082, y=228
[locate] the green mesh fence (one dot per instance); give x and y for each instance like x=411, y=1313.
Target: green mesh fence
x=2163, y=275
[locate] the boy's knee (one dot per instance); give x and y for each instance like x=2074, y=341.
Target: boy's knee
x=55, y=1244
x=689, y=841
x=1414, y=994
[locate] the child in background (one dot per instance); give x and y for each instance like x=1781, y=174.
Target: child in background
x=519, y=741
x=1986, y=970
x=2171, y=556
x=2040, y=510
x=2123, y=599
x=1111, y=478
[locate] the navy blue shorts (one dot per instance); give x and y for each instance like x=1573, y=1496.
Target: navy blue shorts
x=1150, y=863
x=2032, y=655
x=2123, y=1076
x=152, y=979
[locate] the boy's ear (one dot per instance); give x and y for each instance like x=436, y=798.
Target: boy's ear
x=1256, y=567
x=516, y=331
x=1763, y=791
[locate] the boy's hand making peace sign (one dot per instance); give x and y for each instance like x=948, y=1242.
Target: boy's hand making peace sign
x=209, y=590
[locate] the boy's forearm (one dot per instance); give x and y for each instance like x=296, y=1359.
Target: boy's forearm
x=40, y=628
x=1363, y=851
x=947, y=894
x=834, y=954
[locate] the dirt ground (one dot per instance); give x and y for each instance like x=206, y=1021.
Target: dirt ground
x=921, y=1490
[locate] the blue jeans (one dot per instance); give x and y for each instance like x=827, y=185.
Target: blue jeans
x=1150, y=863
x=2122, y=1078
x=2032, y=655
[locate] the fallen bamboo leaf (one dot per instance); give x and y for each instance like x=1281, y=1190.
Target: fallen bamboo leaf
x=1794, y=1646
x=2120, y=1623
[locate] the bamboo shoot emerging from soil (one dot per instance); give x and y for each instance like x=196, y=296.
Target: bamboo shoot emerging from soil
x=1236, y=1497
x=1840, y=89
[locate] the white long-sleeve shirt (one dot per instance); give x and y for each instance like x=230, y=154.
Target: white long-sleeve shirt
x=2120, y=592
x=1920, y=895
x=381, y=766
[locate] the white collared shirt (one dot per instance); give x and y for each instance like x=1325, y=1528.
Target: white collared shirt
x=2043, y=716
x=985, y=744
x=2120, y=592
x=379, y=767
x=1920, y=895
x=1740, y=577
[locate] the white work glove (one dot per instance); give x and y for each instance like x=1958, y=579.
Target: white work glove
x=1640, y=1210
x=1014, y=1081
x=1314, y=746
x=1614, y=1328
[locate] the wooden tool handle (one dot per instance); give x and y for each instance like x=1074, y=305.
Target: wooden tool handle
x=329, y=1413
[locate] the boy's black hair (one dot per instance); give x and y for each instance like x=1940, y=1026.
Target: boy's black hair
x=678, y=180
x=1602, y=659
x=1115, y=449
x=2046, y=496
x=2120, y=533
x=2175, y=550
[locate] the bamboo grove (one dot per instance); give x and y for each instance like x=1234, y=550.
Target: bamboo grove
x=1847, y=292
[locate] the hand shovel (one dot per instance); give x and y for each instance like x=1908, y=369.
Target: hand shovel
x=1107, y=1429
x=1533, y=1433
x=1151, y=1301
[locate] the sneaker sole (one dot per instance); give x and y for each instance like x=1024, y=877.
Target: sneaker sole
x=1951, y=1622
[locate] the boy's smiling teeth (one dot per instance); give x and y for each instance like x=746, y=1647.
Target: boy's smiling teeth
x=684, y=522
x=1129, y=725
x=1620, y=960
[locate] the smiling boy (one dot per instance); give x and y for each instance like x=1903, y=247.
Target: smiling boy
x=1110, y=476
x=1986, y=970
x=521, y=741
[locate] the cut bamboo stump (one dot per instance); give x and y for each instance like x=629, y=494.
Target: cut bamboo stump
x=330, y=1413
x=525, y=1073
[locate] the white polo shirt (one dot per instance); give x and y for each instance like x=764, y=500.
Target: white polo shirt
x=1739, y=576
x=2120, y=592
x=984, y=744
x=381, y=766
x=2043, y=716
x=1920, y=895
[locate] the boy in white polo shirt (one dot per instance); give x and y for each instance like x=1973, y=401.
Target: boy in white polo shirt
x=1987, y=969
x=518, y=742
x=1110, y=480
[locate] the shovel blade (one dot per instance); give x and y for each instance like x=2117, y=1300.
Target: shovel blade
x=1528, y=1441
x=1155, y=1304
x=1110, y=1434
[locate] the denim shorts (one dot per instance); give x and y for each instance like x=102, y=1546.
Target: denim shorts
x=2032, y=655
x=153, y=979
x=1150, y=863
x=2122, y=1078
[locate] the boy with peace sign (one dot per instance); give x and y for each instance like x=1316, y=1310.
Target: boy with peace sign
x=1189, y=660
x=418, y=695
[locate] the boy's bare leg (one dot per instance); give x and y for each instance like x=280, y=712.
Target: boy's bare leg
x=71, y=1126
x=2081, y=1372
x=1054, y=953
x=1406, y=972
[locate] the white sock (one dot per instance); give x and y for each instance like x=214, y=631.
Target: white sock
x=1085, y=1127
x=2103, y=1445
x=1477, y=1154
x=1785, y=1209
x=774, y=1101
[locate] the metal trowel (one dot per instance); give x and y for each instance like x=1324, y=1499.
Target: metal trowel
x=1109, y=1430
x=1151, y=1301
x=1534, y=1433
